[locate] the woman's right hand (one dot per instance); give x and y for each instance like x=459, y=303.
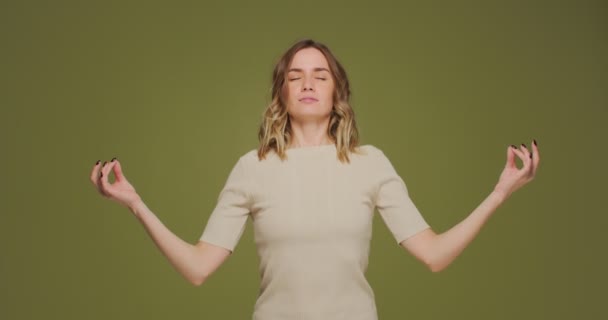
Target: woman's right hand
x=121, y=190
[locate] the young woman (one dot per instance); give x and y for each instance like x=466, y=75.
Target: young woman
x=311, y=191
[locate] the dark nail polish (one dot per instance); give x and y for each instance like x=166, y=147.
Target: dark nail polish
x=513, y=146
x=535, y=143
x=98, y=161
x=524, y=145
x=104, y=163
x=113, y=159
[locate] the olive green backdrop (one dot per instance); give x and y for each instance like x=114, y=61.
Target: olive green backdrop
x=176, y=91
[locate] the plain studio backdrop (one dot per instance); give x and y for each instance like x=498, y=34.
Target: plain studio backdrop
x=176, y=90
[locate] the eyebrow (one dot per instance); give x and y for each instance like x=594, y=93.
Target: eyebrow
x=300, y=70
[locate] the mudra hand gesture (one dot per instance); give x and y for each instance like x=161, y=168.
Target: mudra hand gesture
x=513, y=178
x=121, y=190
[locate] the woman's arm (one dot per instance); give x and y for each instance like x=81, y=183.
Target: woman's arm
x=438, y=251
x=195, y=262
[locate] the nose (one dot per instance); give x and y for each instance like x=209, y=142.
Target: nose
x=307, y=84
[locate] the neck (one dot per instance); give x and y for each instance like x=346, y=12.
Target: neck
x=309, y=134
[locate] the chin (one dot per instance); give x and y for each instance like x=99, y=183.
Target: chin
x=309, y=116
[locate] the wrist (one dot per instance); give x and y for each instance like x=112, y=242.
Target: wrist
x=499, y=195
x=137, y=207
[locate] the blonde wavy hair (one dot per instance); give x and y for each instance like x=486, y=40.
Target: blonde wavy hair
x=275, y=132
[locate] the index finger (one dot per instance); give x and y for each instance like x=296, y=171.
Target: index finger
x=95, y=172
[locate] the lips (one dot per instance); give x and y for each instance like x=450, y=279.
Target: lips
x=308, y=100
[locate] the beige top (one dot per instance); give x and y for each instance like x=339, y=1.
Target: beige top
x=312, y=219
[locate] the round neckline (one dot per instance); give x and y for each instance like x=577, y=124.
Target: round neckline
x=311, y=148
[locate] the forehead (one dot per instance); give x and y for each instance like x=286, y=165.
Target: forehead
x=309, y=58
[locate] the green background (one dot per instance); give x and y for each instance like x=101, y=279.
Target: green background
x=176, y=90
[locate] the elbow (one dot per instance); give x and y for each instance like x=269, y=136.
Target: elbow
x=435, y=261
x=435, y=266
x=197, y=280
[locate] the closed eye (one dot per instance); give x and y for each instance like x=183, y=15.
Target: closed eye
x=292, y=79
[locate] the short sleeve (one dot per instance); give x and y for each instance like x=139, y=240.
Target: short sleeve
x=227, y=221
x=394, y=204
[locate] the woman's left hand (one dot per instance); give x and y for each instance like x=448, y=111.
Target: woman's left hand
x=513, y=178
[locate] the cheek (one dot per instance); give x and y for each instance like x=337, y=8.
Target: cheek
x=289, y=92
x=329, y=93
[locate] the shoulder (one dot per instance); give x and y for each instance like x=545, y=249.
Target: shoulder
x=248, y=157
x=376, y=160
x=370, y=148
x=371, y=152
x=251, y=154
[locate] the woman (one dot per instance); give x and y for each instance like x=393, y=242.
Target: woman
x=311, y=191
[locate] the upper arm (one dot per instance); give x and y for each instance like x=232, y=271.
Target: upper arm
x=211, y=257
x=420, y=245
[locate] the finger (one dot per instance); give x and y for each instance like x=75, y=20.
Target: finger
x=511, y=156
x=536, y=157
x=522, y=156
x=527, y=159
x=100, y=185
x=525, y=150
x=104, y=178
x=106, y=174
x=95, y=172
x=118, y=170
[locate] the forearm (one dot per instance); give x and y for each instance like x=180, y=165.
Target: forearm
x=449, y=244
x=182, y=255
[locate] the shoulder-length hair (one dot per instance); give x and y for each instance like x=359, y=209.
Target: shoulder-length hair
x=275, y=132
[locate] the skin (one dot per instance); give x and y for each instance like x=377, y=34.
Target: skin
x=196, y=262
x=438, y=251
x=309, y=76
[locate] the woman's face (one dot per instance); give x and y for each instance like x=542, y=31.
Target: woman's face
x=310, y=86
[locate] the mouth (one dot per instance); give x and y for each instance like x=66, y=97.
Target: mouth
x=308, y=100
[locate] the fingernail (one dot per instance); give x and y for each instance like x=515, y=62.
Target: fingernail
x=513, y=146
x=535, y=143
x=104, y=163
x=524, y=145
x=113, y=159
x=98, y=161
